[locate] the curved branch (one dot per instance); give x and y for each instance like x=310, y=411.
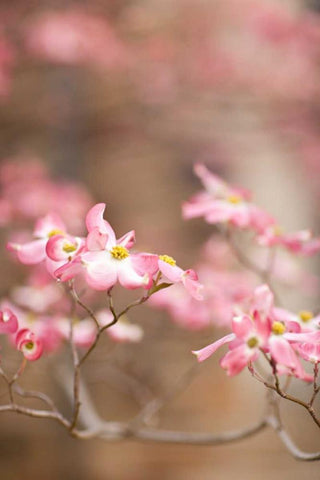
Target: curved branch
x=289, y=444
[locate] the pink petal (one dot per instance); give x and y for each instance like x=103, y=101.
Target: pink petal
x=262, y=326
x=69, y=270
x=25, y=337
x=197, y=207
x=172, y=272
x=8, y=321
x=127, y=240
x=209, y=350
x=242, y=326
x=263, y=300
x=96, y=240
x=145, y=263
x=312, y=337
x=193, y=287
x=210, y=181
x=30, y=253
x=237, y=359
x=129, y=278
x=101, y=272
x=94, y=219
x=282, y=352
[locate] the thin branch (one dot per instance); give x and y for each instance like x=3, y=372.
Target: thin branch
x=37, y=395
x=36, y=413
x=316, y=387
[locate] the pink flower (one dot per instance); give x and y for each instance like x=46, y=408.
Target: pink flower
x=8, y=321
x=249, y=335
x=298, y=242
x=107, y=260
x=35, y=251
x=175, y=274
x=29, y=344
x=223, y=204
x=62, y=247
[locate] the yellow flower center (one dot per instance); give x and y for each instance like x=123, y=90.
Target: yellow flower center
x=29, y=346
x=305, y=315
x=234, y=199
x=119, y=253
x=55, y=232
x=69, y=247
x=252, y=342
x=278, y=328
x=168, y=259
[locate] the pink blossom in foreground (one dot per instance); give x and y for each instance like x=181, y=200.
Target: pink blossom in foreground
x=8, y=321
x=298, y=242
x=29, y=344
x=107, y=260
x=220, y=203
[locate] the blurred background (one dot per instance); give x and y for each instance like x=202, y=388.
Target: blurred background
x=118, y=99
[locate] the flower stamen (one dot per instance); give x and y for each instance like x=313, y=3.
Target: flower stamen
x=252, y=342
x=278, y=328
x=168, y=259
x=305, y=315
x=119, y=253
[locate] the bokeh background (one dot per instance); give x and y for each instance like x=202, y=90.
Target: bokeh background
x=124, y=96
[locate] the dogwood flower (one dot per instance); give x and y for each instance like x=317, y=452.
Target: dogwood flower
x=34, y=252
x=249, y=335
x=259, y=331
x=106, y=260
x=220, y=203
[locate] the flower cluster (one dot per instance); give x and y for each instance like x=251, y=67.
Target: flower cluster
x=263, y=330
x=99, y=261
x=102, y=259
x=220, y=203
